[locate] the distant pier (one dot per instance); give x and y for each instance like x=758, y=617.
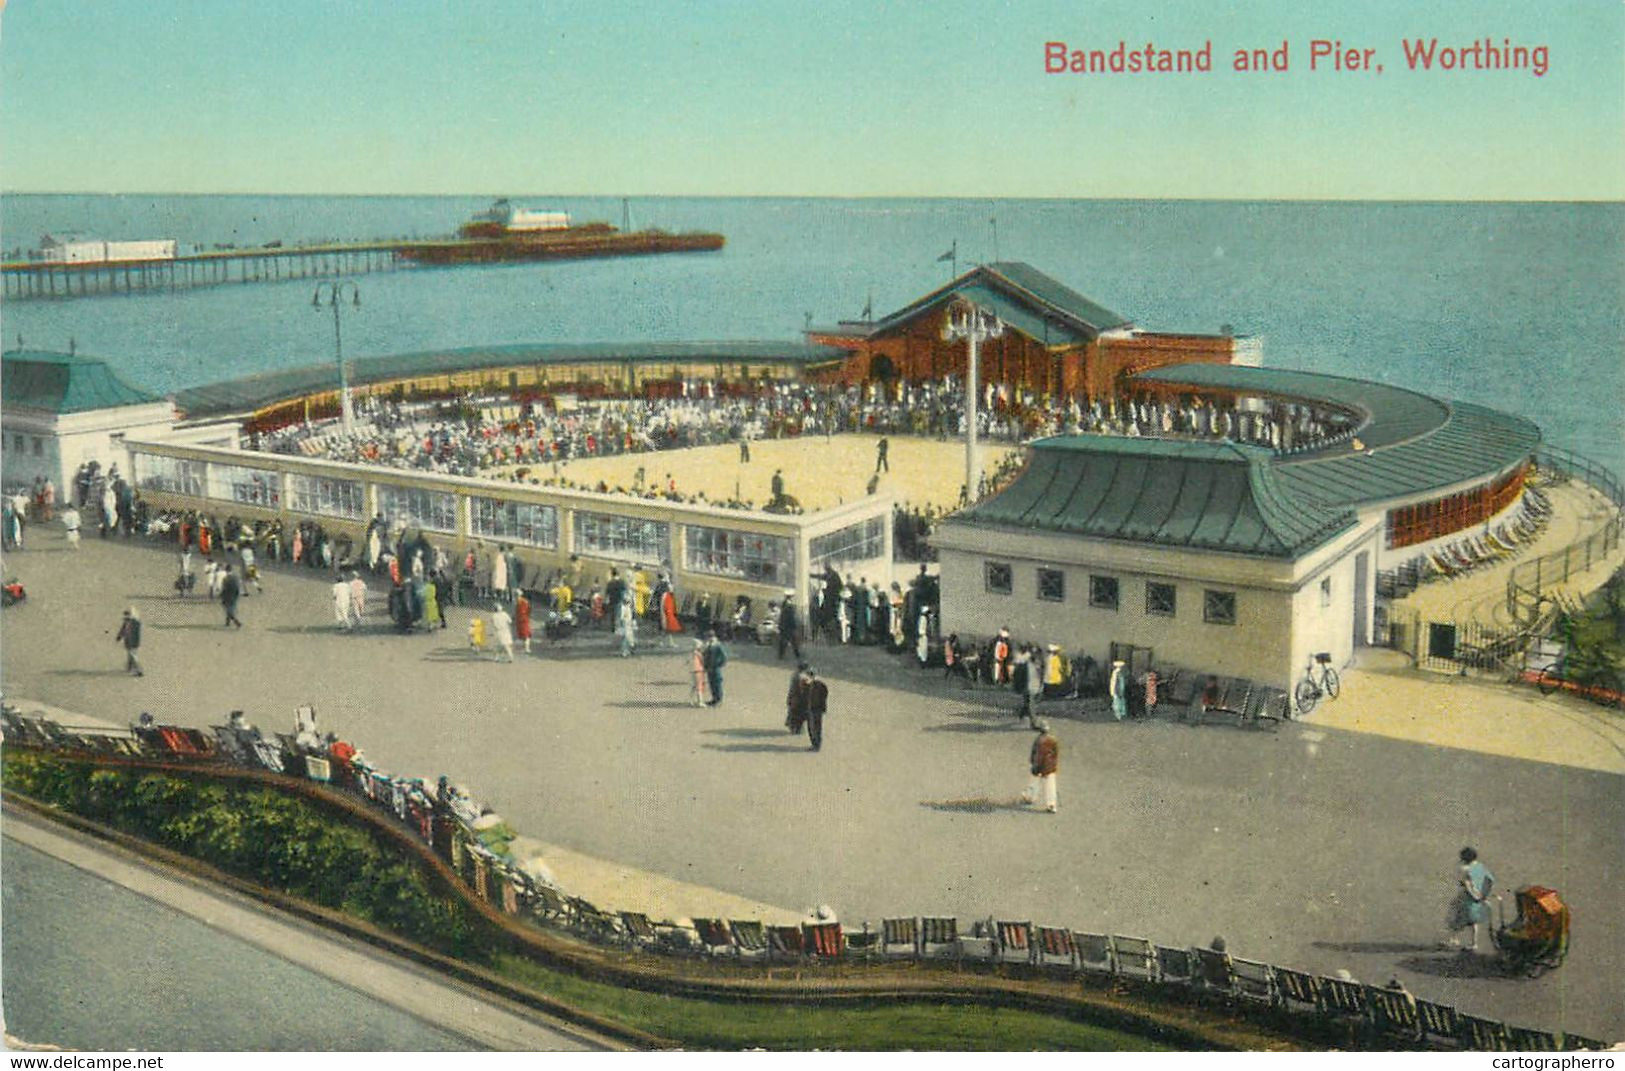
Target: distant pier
x=25, y=279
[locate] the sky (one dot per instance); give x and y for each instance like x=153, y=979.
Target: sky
x=849, y=98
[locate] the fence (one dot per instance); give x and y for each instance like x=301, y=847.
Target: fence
x=1317, y=1004
x=1528, y=581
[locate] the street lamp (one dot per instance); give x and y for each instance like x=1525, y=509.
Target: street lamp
x=966, y=321
x=335, y=292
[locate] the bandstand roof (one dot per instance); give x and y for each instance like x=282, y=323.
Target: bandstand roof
x=1411, y=443
x=1033, y=303
x=1176, y=493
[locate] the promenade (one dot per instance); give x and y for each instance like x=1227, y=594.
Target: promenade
x=1315, y=846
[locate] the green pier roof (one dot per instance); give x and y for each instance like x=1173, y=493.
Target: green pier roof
x=65, y=383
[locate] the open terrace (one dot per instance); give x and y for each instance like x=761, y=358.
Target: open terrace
x=1309, y=847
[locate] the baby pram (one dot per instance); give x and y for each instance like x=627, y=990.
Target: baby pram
x=1539, y=938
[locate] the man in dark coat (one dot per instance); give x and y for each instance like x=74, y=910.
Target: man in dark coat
x=129, y=634
x=817, y=702
x=715, y=657
x=789, y=625
x=795, y=702
x=231, y=589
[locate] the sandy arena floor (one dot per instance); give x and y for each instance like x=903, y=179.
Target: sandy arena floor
x=819, y=472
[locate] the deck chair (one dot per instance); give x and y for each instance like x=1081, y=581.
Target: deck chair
x=1482, y=1035
x=786, y=942
x=715, y=937
x=1052, y=947
x=1393, y=1013
x=750, y=938
x=594, y=923
x=1094, y=952
x=864, y=944
x=1182, y=692
x=1298, y=988
x=899, y=937
x=1437, y=1021
x=638, y=930
x=1176, y=966
x=318, y=768
x=978, y=946
x=1214, y=971
x=823, y=940
x=1134, y=957
x=939, y=937
x=1525, y=1039
x=1341, y=997
x=1253, y=980
x=1015, y=943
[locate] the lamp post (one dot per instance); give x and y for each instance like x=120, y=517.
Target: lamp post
x=966, y=321
x=334, y=293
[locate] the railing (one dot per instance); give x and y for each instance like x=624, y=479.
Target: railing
x=1315, y=1005
x=1528, y=581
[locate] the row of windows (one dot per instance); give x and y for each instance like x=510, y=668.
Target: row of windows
x=1105, y=593
x=238, y=483
x=418, y=508
x=531, y=523
x=762, y=559
x=610, y=536
x=17, y=442
x=154, y=472
x=325, y=496
x=854, y=543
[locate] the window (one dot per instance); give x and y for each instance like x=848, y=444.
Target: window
x=17, y=442
x=415, y=507
x=854, y=543
x=1326, y=592
x=238, y=483
x=39, y=446
x=761, y=559
x=532, y=523
x=1103, y=592
x=1159, y=599
x=1219, y=607
x=998, y=578
x=155, y=472
x=324, y=496
x=1051, y=585
x=609, y=536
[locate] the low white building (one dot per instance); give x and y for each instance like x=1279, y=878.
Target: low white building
x=61, y=410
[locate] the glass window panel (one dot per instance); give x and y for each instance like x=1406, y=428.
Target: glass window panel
x=239, y=483
x=416, y=507
x=531, y=523
x=761, y=559
x=999, y=578
x=1103, y=592
x=1052, y=585
x=325, y=496
x=1219, y=607
x=156, y=472
x=611, y=536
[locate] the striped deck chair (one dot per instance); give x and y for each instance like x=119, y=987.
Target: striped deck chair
x=1052, y=947
x=786, y=942
x=1525, y=1039
x=1581, y=1043
x=750, y=938
x=1134, y=957
x=268, y=753
x=823, y=940
x=899, y=937
x=638, y=930
x=1176, y=966
x=1094, y=952
x=1482, y=1035
x=1341, y=997
x=715, y=937
x=1393, y=1013
x=939, y=937
x=1253, y=981
x=590, y=920
x=1437, y=1021
x=1298, y=988
x=1015, y=942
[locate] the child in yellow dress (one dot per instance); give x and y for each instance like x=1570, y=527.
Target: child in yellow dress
x=476, y=635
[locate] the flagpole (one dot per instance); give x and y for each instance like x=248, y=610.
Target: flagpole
x=995, y=221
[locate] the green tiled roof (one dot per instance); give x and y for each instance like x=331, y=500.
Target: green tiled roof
x=65, y=383
x=1024, y=297
x=1197, y=494
x=256, y=391
x=1411, y=443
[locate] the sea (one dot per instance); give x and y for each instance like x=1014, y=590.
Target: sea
x=1520, y=306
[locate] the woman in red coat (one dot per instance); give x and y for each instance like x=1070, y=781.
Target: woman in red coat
x=668, y=615
x=521, y=620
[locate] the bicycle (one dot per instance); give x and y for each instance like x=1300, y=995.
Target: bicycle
x=1309, y=690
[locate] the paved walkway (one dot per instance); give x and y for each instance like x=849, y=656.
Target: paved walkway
x=1311, y=846
x=278, y=993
